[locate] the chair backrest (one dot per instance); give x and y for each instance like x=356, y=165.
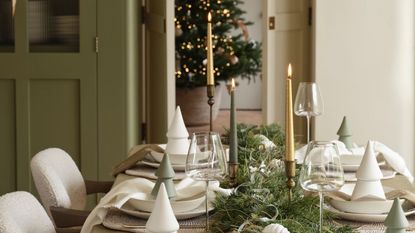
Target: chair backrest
x=20, y=212
x=58, y=180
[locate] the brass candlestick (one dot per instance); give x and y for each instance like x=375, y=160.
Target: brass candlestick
x=289, y=135
x=211, y=102
x=290, y=173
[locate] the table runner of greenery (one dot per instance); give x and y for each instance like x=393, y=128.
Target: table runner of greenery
x=261, y=195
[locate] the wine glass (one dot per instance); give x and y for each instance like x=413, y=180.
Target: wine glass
x=322, y=170
x=308, y=102
x=206, y=161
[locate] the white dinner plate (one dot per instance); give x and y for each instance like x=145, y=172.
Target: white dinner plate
x=176, y=167
x=179, y=159
x=363, y=217
x=387, y=174
x=147, y=203
x=128, y=209
x=363, y=207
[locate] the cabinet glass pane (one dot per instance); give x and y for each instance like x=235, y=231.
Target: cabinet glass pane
x=53, y=25
x=6, y=26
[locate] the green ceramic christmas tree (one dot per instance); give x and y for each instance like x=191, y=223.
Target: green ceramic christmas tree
x=344, y=134
x=396, y=221
x=165, y=174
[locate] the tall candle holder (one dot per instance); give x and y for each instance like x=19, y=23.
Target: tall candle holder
x=211, y=102
x=233, y=137
x=289, y=136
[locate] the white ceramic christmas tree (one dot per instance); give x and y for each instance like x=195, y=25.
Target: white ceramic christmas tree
x=177, y=135
x=162, y=219
x=396, y=221
x=368, y=185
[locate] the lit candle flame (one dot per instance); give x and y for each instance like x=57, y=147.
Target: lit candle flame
x=209, y=17
x=233, y=84
x=290, y=72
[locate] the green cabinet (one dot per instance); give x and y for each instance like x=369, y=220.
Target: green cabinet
x=68, y=79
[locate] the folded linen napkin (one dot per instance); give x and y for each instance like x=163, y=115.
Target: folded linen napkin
x=392, y=158
x=138, y=188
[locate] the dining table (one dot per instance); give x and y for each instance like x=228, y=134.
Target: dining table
x=195, y=225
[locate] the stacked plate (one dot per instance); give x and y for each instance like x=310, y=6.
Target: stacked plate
x=351, y=163
x=149, y=165
x=363, y=211
x=183, y=209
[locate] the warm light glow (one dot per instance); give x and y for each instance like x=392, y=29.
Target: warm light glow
x=209, y=17
x=233, y=83
x=290, y=72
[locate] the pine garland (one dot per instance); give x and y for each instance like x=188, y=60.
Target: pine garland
x=261, y=196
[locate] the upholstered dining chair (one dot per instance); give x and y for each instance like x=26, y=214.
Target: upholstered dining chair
x=20, y=212
x=61, y=187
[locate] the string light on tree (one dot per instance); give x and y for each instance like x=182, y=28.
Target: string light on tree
x=233, y=55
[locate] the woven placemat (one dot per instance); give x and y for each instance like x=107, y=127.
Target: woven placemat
x=118, y=220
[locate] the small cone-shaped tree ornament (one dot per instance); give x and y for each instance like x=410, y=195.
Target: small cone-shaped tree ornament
x=162, y=219
x=165, y=174
x=344, y=134
x=368, y=185
x=396, y=221
x=177, y=135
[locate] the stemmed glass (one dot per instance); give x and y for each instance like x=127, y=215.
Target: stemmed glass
x=308, y=102
x=322, y=170
x=206, y=161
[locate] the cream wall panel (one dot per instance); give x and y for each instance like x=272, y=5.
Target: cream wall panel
x=364, y=66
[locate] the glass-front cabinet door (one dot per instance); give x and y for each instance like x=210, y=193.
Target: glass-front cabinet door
x=7, y=25
x=53, y=25
x=48, y=85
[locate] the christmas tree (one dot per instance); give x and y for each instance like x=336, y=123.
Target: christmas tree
x=235, y=54
x=344, y=134
x=165, y=175
x=396, y=221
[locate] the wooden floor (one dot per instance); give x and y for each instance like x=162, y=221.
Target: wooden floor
x=222, y=120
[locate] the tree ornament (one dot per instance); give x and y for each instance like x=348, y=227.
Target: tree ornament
x=178, y=32
x=162, y=213
x=220, y=50
x=368, y=185
x=165, y=174
x=234, y=59
x=275, y=228
x=344, y=134
x=396, y=221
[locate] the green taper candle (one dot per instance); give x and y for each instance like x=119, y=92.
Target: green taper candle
x=233, y=140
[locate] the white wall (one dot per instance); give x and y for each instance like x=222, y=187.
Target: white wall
x=248, y=94
x=364, y=66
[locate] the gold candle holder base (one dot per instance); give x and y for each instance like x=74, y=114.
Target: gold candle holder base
x=290, y=173
x=233, y=169
x=211, y=102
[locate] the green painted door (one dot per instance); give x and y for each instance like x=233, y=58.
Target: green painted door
x=48, y=86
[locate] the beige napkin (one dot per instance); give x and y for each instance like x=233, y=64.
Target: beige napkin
x=138, y=188
x=136, y=154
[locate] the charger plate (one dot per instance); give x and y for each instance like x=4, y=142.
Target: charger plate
x=408, y=210
x=128, y=209
x=186, y=205
x=363, y=207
